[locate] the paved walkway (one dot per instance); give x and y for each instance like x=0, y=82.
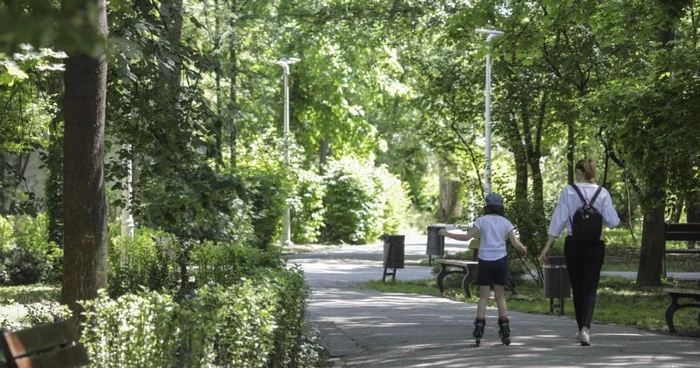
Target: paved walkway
x=366, y=328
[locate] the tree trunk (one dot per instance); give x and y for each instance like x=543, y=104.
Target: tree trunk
x=233, y=128
x=449, y=195
x=323, y=155
x=652, y=250
x=171, y=11
x=218, y=131
x=85, y=208
x=570, y=151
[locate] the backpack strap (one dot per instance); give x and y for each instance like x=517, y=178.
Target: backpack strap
x=595, y=196
x=580, y=195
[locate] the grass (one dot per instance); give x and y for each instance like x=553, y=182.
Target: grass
x=619, y=302
x=28, y=294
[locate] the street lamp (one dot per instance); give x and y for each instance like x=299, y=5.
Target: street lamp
x=284, y=63
x=491, y=35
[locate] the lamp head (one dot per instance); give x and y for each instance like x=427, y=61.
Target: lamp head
x=489, y=31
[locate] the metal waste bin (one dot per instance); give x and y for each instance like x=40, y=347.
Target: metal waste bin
x=394, y=254
x=436, y=243
x=556, y=283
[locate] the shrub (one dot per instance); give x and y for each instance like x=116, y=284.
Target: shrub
x=307, y=208
x=226, y=263
x=25, y=267
x=362, y=202
x=256, y=322
x=267, y=191
x=353, y=209
x=146, y=260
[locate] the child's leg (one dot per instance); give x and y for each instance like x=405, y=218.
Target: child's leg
x=484, y=292
x=499, y=293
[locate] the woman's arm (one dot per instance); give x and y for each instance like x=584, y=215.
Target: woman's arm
x=463, y=237
x=545, y=251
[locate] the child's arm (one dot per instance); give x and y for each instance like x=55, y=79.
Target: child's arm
x=516, y=242
x=464, y=237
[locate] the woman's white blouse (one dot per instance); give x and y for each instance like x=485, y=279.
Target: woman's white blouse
x=569, y=202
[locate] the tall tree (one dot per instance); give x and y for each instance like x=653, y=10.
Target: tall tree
x=85, y=207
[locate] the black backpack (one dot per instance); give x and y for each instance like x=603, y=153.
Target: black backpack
x=587, y=223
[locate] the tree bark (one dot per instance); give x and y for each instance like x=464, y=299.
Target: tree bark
x=218, y=131
x=171, y=11
x=85, y=208
x=449, y=195
x=570, y=151
x=323, y=155
x=233, y=128
x=652, y=250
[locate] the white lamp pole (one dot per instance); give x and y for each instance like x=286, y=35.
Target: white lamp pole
x=491, y=35
x=127, y=219
x=287, y=237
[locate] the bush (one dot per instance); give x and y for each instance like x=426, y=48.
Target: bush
x=394, y=197
x=225, y=263
x=25, y=267
x=146, y=260
x=256, y=322
x=307, y=208
x=362, y=202
x=353, y=209
x=24, y=244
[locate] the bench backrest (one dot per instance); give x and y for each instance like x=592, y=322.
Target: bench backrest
x=690, y=231
x=50, y=345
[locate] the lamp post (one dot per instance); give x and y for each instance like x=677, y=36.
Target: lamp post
x=491, y=35
x=127, y=219
x=284, y=63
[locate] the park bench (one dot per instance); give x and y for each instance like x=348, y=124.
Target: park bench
x=466, y=268
x=680, y=232
x=451, y=266
x=52, y=345
x=675, y=295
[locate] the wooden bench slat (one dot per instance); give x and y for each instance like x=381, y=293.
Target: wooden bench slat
x=40, y=338
x=454, y=262
x=682, y=291
x=682, y=236
x=682, y=250
x=690, y=226
x=74, y=356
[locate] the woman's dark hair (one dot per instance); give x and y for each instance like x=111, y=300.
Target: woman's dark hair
x=495, y=210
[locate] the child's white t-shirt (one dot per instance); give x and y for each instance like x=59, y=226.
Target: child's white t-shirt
x=493, y=229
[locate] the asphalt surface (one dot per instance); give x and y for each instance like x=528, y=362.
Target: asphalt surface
x=366, y=328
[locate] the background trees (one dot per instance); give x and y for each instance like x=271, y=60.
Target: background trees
x=195, y=102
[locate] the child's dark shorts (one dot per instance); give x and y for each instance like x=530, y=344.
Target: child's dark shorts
x=492, y=272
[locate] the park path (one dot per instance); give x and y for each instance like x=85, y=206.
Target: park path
x=367, y=328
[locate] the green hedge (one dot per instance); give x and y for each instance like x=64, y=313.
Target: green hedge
x=257, y=322
x=361, y=202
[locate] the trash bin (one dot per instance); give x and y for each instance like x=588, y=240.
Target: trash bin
x=394, y=250
x=556, y=282
x=394, y=254
x=436, y=243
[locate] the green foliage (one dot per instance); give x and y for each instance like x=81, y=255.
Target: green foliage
x=145, y=261
x=226, y=263
x=362, y=202
x=255, y=322
x=353, y=209
x=307, y=208
x=196, y=204
x=28, y=256
x=26, y=267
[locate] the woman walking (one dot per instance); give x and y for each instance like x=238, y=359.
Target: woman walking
x=583, y=209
